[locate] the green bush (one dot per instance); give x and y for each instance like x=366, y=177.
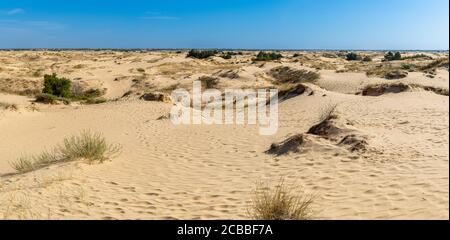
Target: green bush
x=226, y=56
x=390, y=56
x=59, y=87
x=406, y=66
x=267, y=56
x=201, y=54
x=352, y=57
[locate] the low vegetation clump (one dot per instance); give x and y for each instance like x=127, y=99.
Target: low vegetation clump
x=226, y=56
x=88, y=146
x=267, y=56
x=417, y=56
x=59, y=87
x=352, y=57
x=229, y=55
x=407, y=67
x=367, y=59
x=209, y=82
x=91, y=101
x=280, y=203
x=289, y=75
x=8, y=106
x=90, y=96
x=63, y=90
x=375, y=90
x=51, y=99
x=443, y=62
x=201, y=54
x=325, y=127
x=390, y=56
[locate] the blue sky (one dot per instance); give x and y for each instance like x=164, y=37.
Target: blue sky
x=271, y=24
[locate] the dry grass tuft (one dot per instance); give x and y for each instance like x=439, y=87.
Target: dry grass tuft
x=280, y=203
x=209, y=82
x=8, y=106
x=288, y=75
x=325, y=127
x=89, y=146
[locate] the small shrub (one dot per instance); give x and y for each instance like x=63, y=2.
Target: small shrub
x=59, y=87
x=406, y=66
x=209, y=82
x=201, y=54
x=352, y=57
x=226, y=56
x=8, y=106
x=390, y=56
x=267, y=56
x=367, y=59
x=141, y=70
x=280, y=203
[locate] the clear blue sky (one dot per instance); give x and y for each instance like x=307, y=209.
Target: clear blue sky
x=274, y=24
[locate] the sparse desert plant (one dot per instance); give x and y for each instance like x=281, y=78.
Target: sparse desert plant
x=209, y=82
x=267, y=56
x=367, y=59
x=352, y=57
x=443, y=62
x=92, y=101
x=37, y=73
x=90, y=96
x=8, y=106
x=88, y=146
x=59, y=87
x=407, y=67
x=201, y=54
x=141, y=70
x=281, y=202
x=51, y=99
x=289, y=75
x=325, y=127
x=417, y=56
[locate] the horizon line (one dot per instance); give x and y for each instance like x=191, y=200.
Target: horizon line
x=222, y=49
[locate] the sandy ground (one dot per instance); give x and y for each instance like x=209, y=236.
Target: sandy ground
x=209, y=171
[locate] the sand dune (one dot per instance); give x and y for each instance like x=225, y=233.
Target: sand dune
x=209, y=171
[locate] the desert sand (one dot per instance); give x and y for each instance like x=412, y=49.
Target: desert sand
x=400, y=170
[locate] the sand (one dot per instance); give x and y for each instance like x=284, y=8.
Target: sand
x=210, y=171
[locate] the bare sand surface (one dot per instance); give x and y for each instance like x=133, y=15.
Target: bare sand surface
x=167, y=171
